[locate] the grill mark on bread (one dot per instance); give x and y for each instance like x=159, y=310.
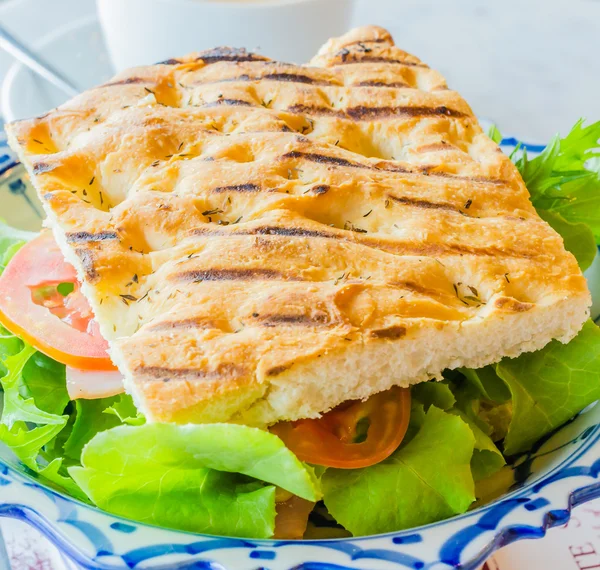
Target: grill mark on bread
x=267, y=231
x=512, y=305
x=389, y=167
x=274, y=320
x=229, y=102
x=266, y=320
x=86, y=237
x=126, y=81
x=385, y=39
x=460, y=249
x=429, y=171
x=366, y=113
x=354, y=57
x=426, y=204
x=229, y=54
x=166, y=374
x=392, y=333
x=191, y=323
x=249, y=274
x=42, y=167
x=248, y=187
x=480, y=179
x=276, y=370
x=290, y=232
x=236, y=78
x=421, y=290
x=433, y=147
x=293, y=78
x=388, y=245
x=386, y=167
x=302, y=78
x=320, y=189
x=374, y=83
x=87, y=260
x=363, y=112
x=300, y=109
x=280, y=77
x=324, y=159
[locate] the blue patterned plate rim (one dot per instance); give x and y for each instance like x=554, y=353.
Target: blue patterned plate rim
x=498, y=509
x=515, y=494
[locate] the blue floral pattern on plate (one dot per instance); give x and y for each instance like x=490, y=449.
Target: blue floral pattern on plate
x=545, y=484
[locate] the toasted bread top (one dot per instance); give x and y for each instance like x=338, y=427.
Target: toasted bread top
x=261, y=241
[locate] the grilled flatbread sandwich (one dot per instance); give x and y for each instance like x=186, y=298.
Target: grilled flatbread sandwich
x=262, y=242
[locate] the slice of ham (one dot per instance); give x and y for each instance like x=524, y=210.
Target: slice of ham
x=93, y=384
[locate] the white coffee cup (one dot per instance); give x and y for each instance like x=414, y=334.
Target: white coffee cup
x=147, y=31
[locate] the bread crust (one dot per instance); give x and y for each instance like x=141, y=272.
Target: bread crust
x=261, y=241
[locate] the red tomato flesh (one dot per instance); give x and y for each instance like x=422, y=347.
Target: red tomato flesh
x=60, y=326
x=330, y=440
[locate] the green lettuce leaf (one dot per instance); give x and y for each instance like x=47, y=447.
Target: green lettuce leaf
x=19, y=408
x=417, y=419
x=94, y=416
x=56, y=474
x=578, y=237
x=234, y=448
x=25, y=427
x=494, y=419
x=124, y=409
x=485, y=399
x=55, y=449
x=550, y=386
x=495, y=134
x=32, y=421
x=193, y=477
x=9, y=345
x=26, y=442
x=427, y=480
x=487, y=458
x=434, y=393
x=196, y=500
x=562, y=162
x=487, y=384
x=564, y=184
x=44, y=380
x=423, y=396
x=90, y=419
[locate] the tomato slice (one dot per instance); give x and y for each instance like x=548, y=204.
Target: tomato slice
x=32, y=307
x=330, y=440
